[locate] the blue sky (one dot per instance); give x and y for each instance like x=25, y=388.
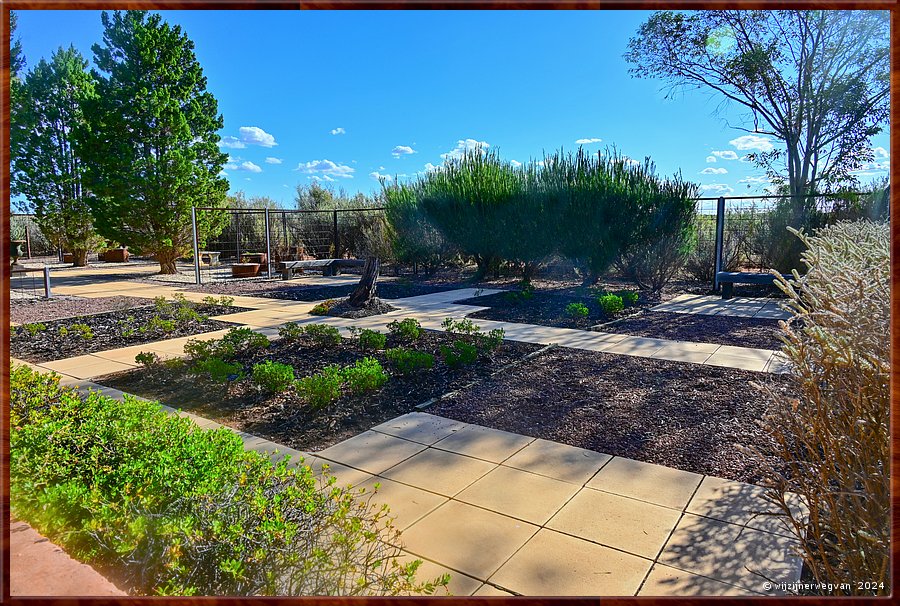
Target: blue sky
x=346, y=96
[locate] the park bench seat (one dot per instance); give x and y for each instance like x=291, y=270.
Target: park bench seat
x=329, y=267
x=210, y=257
x=729, y=278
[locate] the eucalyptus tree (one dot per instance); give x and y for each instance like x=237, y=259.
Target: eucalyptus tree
x=817, y=81
x=47, y=169
x=151, y=141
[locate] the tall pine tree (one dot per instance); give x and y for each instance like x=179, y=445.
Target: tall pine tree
x=151, y=139
x=48, y=172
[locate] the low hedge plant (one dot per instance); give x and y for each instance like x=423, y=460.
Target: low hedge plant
x=180, y=510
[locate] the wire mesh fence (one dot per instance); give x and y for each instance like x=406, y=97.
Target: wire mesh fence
x=26, y=283
x=24, y=228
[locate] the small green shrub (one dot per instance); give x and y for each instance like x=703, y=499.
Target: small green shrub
x=322, y=309
x=459, y=354
x=369, y=339
x=366, y=375
x=219, y=370
x=629, y=297
x=610, y=304
x=157, y=323
x=405, y=331
x=323, y=335
x=409, y=360
x=524, y=293
x=127, y=332
x=222, y=301
x=83, y=331
x=163, y=306
x=33, y=328
x=321, y=389
x=290, y=331
x=147, y=359
x=273, y=376
x=185, y=314
x=245, y=339
x=471, y=333
x=577, y=310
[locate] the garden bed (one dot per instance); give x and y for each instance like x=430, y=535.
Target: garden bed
x=723, y=330
x=681, y=415
x=553, y=307
x=285, y=418
x=75, y=336
x=41, y=310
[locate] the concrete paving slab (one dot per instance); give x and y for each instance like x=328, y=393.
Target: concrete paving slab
x=484, y=443
x=439, y=471
x=371, y=451
x=558, y=461
x=647, y=482
x=420, y=427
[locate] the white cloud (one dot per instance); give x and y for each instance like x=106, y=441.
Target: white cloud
x=871, y=168
x=338, y=131
x=322, y=178
x=631, y=161
x=222, y=173
x=326, y=169
x=710, y=159
x=380, y=168
x=756, y=142
x=462, y=146
x=254, y=135
x=754, y=180
x=716, y=188
x=271, y=160
x=588, y=141
x=429, y=167
x=725, y=155
x=402, y=150
x=250, y=166
x=378, y=176
x=231, y=143
x=745, y=158
x=515, y=163
x=714, y=171
x=880, y=153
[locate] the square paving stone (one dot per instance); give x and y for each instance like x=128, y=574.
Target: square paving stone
x=749, y=362
x=345, y=476
x=469, y=539
x=371, y=451
x=86, y=367
x=741, y=503
x=554, y=564
x=490, y=590
x=519, y=494
x=637, y=346
x=439, y=471
x=407, y=504
x=696, y=353
x=420, y=427
x=668, y=581
x=484, y=443
x=634, y=526
x=460, y=584
x=724, y=552
x=558, y=461
x=646, y=482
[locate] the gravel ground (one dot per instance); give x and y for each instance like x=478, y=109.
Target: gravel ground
x=22, y=312
x=681, y=415
x=724, y=330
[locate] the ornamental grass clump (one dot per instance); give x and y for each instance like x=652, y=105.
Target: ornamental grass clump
x=180, y=510
x=834, y=439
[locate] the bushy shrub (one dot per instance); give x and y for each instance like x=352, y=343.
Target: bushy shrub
x=321, y=309
x=82, y=331
x=577, y=310
x=459, y=354
x=369, y=339
x=187, y=313
x=163, y=306
x=409, y=361
x=158, y=324
x=414, y=238
x=235, y=341
x=323, y=334
x=405, y=331
x=321, y=389
x=290, y=331
x=218, y=370
x=245, y=339
x=835, y=438
x=178, y=510
x=147, y=359
x=365, y=375
x=610, y=304
x=223, y=301
x=525, y=292
x=629, y=297
x=32, y=328
x=471, y=333
x=273, y=376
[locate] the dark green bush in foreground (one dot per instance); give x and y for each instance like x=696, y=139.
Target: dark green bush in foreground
x=181, y=510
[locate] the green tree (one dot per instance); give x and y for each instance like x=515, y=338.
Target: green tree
x=818, y=81
x=16, y=68
x=151, y=142
x=48, y=172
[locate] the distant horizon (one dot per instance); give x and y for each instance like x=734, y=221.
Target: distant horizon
x=347, y=97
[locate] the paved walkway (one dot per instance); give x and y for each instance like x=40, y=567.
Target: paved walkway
x=739, y=307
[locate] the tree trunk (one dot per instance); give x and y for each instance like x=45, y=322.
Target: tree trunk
x=167, y=262
x=364, y=293
x=79, y=257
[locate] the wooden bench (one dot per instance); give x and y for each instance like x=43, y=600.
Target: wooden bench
x=729, y=278
x=329, y=267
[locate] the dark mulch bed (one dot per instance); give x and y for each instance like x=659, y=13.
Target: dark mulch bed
x=686, y=416
x=724, y=330
x=42, y=310
x=110, y=330
x=285, y=418
x=343, y=309
x=548, y=307
x=386, y=290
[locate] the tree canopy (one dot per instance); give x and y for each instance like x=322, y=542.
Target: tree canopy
x=151, y=142
x=818, y=81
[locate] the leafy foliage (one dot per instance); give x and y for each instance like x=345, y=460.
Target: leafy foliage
x=218, y=370
x=369, y=339
x=577, y=310
x=405, y=331
x=459, y=354
x=323, y=388
x=273, y=376
x=33, y=328
x=290, y=331
x=365, y=375
x=179, y=510
x=322, y=335
x=610, y=304
x=322, y=309
x=409, y=361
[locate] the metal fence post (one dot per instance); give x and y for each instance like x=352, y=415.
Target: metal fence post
x=720, y=240
x=268, y=246
x=47, y=292
x=196, y=246
x=336, y=238
x=27, y=240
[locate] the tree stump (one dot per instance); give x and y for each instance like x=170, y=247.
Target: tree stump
x=364, y=293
